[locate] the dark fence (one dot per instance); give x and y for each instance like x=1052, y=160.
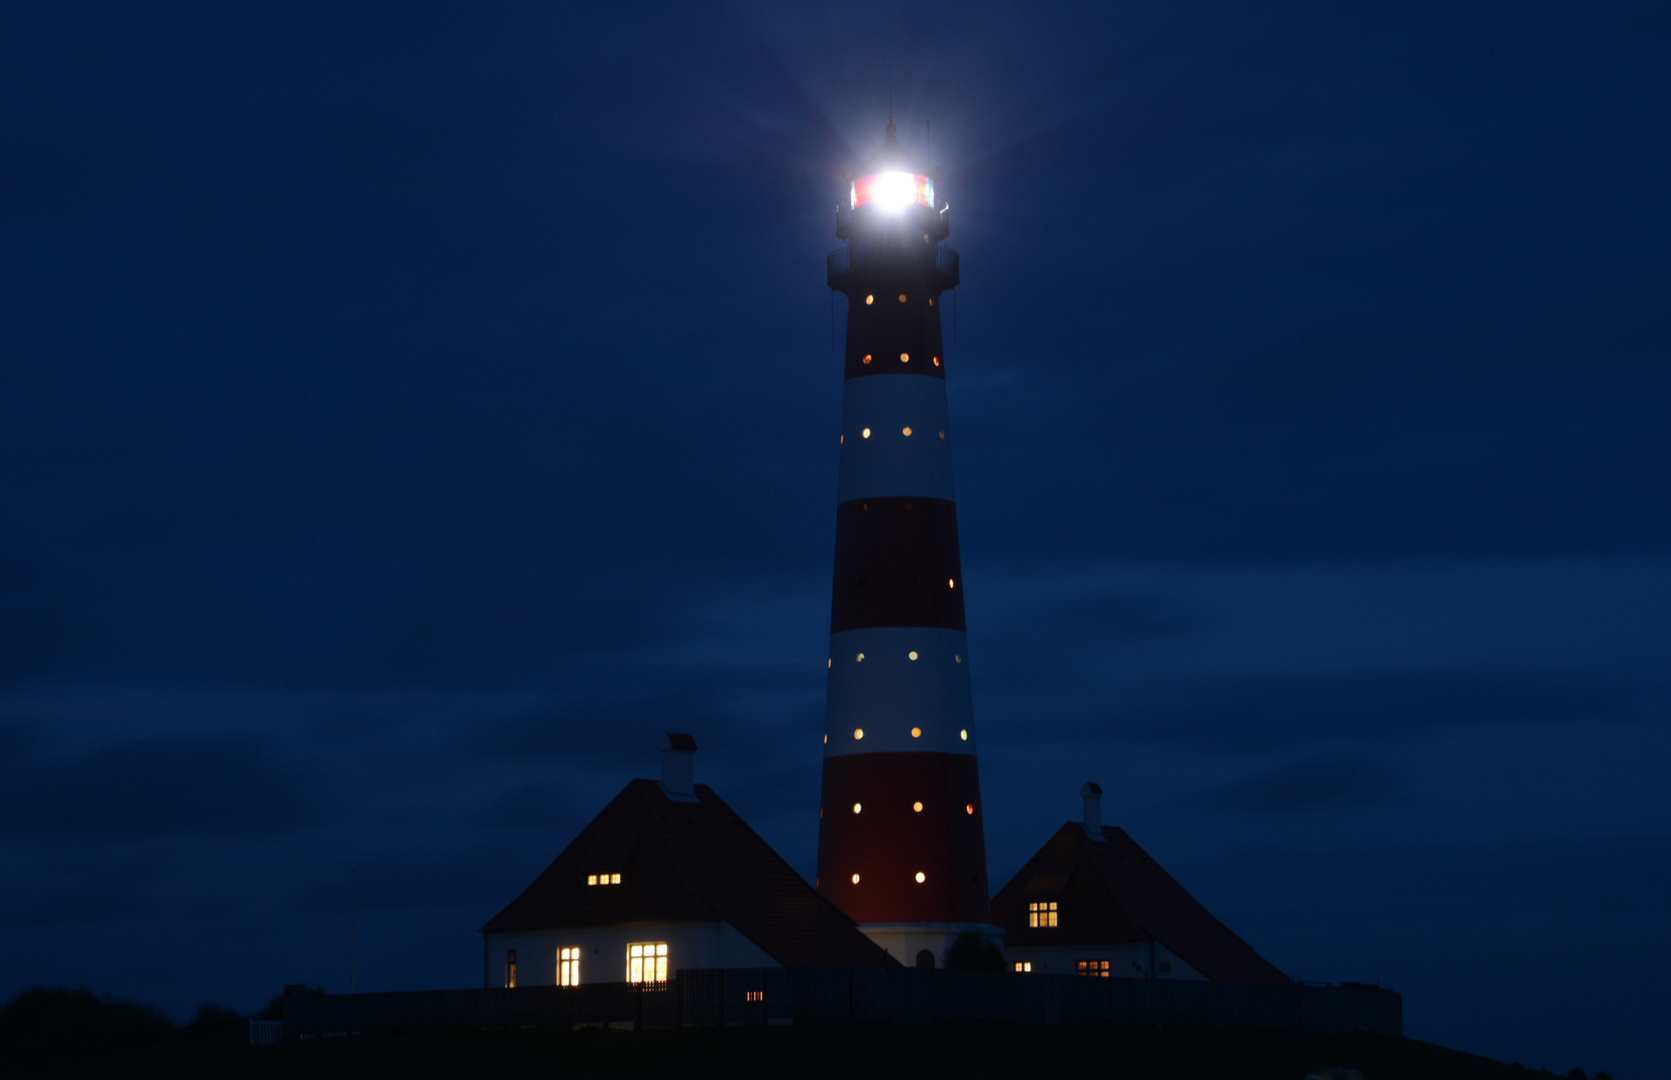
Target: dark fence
x=855, y=995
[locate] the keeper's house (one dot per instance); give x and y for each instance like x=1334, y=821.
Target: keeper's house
x=667, y=877
x=1092, y=902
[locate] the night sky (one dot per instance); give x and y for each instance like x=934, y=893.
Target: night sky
x=407, y=413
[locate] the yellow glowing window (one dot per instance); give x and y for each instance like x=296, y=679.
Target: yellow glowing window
x=1041, y=913
x=858, y=807
x=859, y=659
x=905, y=358
x=1096, y=969
x=917, y=806
x=830, y=663
x=969, y=808
x=931, y=301
x=865, y=433
x=942, y=434
x=855, y=879
x=964, y=734
x=936, y=361
x=870, y=299
x=755, y=995
x=510, y=968
x=951, y=583
x=603, y=879
x=902, y=298
x=647, y=963
x=867, y=358
x=568, y=967
x=907, y=433
x=921, y=877
x=858, y=733
x=916, y=733
x=958, y=657
x=912, y=654
x=1024, y=965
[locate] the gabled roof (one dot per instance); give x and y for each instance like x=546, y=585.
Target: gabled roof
x=1112, y=892
x=688, y=862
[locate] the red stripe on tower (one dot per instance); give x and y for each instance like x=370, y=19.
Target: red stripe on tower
x=901, y=843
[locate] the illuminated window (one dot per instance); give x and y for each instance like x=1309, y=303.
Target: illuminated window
x=902, y=298
x=855, y=879
x=568, y=967
x=826, y=743
x=865, y=433
x=907, y=433
x=830, y=663
x=857, y=807
x=591, y=879
x=647, y=963
x=958, y=657
x=964, y=734
x=942, y=434
x=603, y=879
x=912, y=654
x=1041, y=913
x=905, y=358
x=1024, y=965
x=860, y=658
x=951, y=583
x=917, y=806
x=510, y=968
x=921, y=877
x=1096, y=969
x=969, y=808
x=842, y=439
x=870, y=299
x=755, y=995
x=867, y=358
x=916, y=733
x=858, y=733
x=931, y=301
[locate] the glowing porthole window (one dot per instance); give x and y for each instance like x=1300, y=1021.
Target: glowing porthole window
x=921, y=877
x=905, y=358
x=969, y=808
x=855, y=879
x=916, y=733
x=858, y=733
x=857, y=807
x=917, y=806
x=942, y=434
x=867, y=358
x=859, y=659
x=964, y=734
x=902, y=298
x=936, y=361
x=865, y=433
x=907, y=433
x=958, y=657
x=870, y=299
x=912, y=654
x=951, y=583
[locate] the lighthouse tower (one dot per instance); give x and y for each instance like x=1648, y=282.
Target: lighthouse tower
x=901, y=846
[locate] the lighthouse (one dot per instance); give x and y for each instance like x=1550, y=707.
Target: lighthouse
x=901, y=843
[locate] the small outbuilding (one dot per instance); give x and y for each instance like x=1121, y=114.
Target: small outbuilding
x=1092, y=902
x=667, y=877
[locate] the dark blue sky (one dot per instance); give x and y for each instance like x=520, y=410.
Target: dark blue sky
x=407, y=412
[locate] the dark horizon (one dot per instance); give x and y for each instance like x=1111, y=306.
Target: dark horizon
x=408, y=416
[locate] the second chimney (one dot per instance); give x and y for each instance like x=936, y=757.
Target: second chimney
x=678, y=767
x=1092, y=794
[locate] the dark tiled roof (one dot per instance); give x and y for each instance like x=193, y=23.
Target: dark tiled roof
x=1113, y=893
x=688, y=862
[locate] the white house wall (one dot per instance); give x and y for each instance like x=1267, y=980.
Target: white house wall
x=1126, y=961
x=603, y=951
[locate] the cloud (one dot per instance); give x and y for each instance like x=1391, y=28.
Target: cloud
x=1309, y=786
x=157, y=787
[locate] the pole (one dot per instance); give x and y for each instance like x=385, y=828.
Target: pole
x=353, y=920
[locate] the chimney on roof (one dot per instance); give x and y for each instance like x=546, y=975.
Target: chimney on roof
x=678, y=766
x=1092, y=794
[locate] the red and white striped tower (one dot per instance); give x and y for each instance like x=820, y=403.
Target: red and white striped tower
x=901, y=848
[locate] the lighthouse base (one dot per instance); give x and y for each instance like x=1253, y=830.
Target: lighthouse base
x=908, y=942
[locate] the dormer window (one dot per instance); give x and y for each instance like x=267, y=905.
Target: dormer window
x=603, y=879
x=1041, y=913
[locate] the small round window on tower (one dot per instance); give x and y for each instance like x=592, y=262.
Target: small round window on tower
x=860, y=658
x=917, y=806
x=936, y=361
x=867, y=358
x=964, y=734
x=921, y=877
x=951, y=583
x=912, y=654
x=865, y=433
x=870, y=299
x=942, y=433
x=958, y=657
x=916, y=733
x=907, y=433
x=905, y=358
x=858, y=733
x=969, y=808
x=857, y=807
x=855, y=879
x=902, y=298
